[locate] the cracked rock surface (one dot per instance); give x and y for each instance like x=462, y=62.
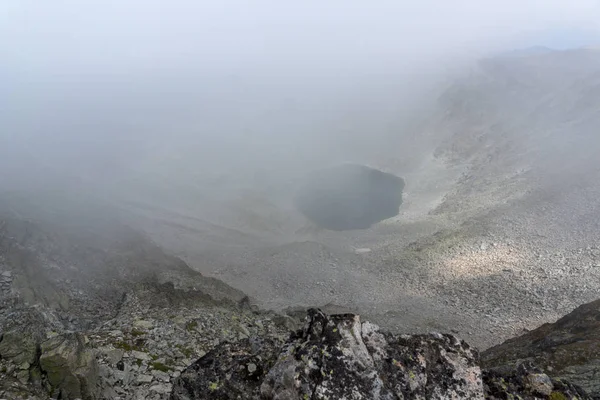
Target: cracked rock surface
x=340, y=357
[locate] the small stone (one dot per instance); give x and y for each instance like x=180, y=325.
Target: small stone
x=121, y=376
x=539, y=384
x=143, y=324
x=114, y=356
x=24, y=366
x=138, y=355
x=109, y=392
x=185, y=362
x=161, y=376
x=251, y=368
x=244, y=330
x=7, y=274
x=144, y=378
x=23, y=376
x=163, y=388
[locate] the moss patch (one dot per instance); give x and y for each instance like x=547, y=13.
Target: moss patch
x=160, y=367
x=185, y=350
x=192, y=325
x=137, y=332
x=128, y=346
x=557, y=396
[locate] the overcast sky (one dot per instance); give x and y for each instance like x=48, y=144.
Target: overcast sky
x=84, y=84
x=232, y=35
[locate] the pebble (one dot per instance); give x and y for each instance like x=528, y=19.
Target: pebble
x=144, y=378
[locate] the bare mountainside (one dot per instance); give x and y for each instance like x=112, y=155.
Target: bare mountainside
x=499, y=216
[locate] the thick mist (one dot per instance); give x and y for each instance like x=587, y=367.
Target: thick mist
x=199, y=123
x=145, y=99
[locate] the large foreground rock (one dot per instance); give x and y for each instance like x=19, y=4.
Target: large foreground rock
x=336, y=357
x=567, y=349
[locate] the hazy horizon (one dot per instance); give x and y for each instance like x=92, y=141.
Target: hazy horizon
x=106, y=90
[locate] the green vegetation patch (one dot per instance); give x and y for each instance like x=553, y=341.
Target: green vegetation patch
x=191, y=326
x=160, y=366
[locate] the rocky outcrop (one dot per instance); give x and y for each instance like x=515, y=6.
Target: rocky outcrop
x=133, y=317
x=333, y=358
x=17, y=347
x=70, y=368
x=568, y=349
x=230, y=371
x=526, y=382
x=340, y=357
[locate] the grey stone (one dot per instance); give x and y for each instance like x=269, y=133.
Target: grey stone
x=144, y=378
x=251, y=367
x=539, y=384
x=143, y=324
x=24, y=365
x=161, y=376
x=114, y=356
x=70, y=367
x=23, y=376
x=18, y=347
x=163, y=388
x=138, y=355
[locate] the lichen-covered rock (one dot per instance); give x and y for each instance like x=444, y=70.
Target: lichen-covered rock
x=333, y=358
x=526, y=382
x=230, y=371
x=568, y=349
x=18, y=348
x=69, y=366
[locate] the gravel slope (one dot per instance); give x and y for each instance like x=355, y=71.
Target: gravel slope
x=499, y=220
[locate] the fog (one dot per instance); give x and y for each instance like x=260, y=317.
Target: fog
x=209, y=127
x=112, y=96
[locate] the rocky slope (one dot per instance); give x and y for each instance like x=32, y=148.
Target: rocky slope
x=102, y=313
x=93, y=310
x=501, y=198
x=497, y=234
x=567, y=349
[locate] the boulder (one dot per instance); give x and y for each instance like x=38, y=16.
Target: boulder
x=349, y=197
x=18, y=347
x=69, y=366
x=230, y=371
